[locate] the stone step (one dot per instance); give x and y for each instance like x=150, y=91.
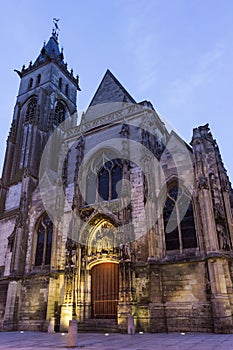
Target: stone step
x=99, y=326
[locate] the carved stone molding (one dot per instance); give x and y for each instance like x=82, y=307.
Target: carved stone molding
x=202, y=182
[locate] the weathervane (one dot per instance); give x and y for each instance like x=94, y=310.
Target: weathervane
x=56, y=29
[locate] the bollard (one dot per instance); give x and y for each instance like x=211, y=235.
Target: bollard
x=131, y=328
x=72, y=334
x=51, y=325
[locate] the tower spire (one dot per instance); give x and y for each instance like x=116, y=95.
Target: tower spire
x=56, y=29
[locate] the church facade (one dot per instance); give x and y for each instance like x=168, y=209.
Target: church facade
x=114, y=217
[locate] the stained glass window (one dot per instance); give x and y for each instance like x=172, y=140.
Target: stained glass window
x=44, y=241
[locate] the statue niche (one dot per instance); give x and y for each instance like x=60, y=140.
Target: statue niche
x=102, y=240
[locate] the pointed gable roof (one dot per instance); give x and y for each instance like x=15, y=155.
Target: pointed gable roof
x=111, y=90
x=50, y=50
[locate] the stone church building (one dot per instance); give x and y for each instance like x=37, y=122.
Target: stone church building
x=113, y=216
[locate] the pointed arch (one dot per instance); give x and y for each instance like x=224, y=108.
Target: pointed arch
x=44, y=236
x=30, y=83
x=90, y=233
x=103, y=176
x=90, y=188
x=28, y=117
x=38, y=79
x=59, y=113
x=102, y=238
x=67, y=90
x=60, y=83
x=109, y=180
x=103, y=184
x=116, y=177
x=178, y=219
x=31, y=109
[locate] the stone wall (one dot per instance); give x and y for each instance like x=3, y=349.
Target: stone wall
x=33, y=304
x=6, y=229
x=173, y=298
x=13, y=197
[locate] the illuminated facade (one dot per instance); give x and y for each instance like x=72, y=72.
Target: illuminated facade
x=149, y=234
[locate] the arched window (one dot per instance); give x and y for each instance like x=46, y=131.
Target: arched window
x=31, y=110
x=67, y=90
x=30, y=83
x=60, y=83
x=38, y=79
x=59, y=115
x=178, y=220
x=90, y=188
x=116, y=177
x=44, y=242
x=109, y=180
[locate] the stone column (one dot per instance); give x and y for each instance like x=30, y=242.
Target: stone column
x=207, y=219
x=229, y=217
x=221, y=307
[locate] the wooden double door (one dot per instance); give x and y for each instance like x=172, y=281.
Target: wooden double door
x=105, y=290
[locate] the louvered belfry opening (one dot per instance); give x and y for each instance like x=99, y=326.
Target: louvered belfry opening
x=105, y=290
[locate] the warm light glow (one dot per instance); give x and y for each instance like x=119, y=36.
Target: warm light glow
x=102, y=260
x=66, y=316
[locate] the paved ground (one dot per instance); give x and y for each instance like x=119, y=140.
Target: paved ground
x=162, y=341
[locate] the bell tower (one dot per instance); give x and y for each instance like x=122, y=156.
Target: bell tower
x=46, y=97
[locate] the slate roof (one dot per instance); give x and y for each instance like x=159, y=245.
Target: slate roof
x=111, y=90
x=51, y=50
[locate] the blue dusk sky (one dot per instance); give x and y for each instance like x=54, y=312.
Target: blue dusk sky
x=176, y=53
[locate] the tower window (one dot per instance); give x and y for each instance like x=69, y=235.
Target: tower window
x=60, y=83
x=30, y=83
x=178, y=219
x=31, y=110
x=44, y=242
x=67, y=90
x=59, y=115
x=38, y=79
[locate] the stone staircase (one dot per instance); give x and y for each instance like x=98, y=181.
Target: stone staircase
x=98, y=326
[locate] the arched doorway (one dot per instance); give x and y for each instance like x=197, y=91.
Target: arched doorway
x=105, y=290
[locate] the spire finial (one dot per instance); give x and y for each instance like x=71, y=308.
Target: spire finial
x=56, y=29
